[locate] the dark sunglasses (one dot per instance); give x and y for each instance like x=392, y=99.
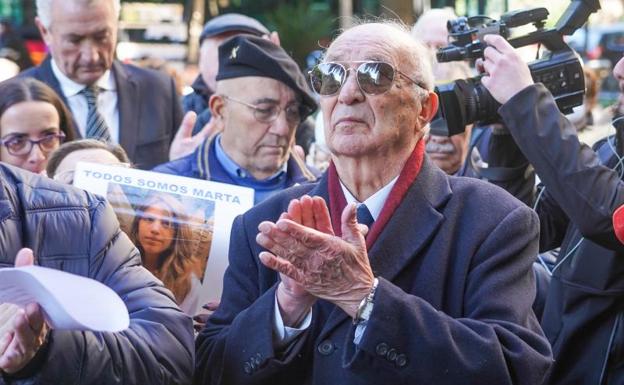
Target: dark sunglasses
x=373, y=77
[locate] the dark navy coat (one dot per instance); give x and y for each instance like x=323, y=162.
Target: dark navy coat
x=149, y=110
x=453, y=304
x=583, y=311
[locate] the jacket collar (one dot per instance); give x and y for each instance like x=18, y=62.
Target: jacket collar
x=296, y=169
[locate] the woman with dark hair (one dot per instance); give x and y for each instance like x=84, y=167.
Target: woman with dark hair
x=33, y=123
x=162, y=233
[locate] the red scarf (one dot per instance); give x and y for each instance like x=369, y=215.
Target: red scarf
x=337, y=200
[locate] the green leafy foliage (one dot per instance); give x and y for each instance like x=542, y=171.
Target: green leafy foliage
x=301, y=24
x=301, y=27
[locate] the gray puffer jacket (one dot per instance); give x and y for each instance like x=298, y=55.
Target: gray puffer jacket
x=77, y=232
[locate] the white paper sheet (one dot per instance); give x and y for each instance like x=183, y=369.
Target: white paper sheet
x=70, y=302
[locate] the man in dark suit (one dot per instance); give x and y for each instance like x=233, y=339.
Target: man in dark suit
x=438, y=291
x=134, y=107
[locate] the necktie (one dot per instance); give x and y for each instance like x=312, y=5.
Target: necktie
x=364, y=216
x=96, y=126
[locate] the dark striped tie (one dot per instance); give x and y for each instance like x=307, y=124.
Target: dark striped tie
x=96, y=126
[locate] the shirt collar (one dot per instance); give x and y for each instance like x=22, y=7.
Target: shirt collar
x=71, y=88
x=375, y=202
x=237, y=171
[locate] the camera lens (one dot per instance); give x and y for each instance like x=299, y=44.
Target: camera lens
x=480, y=105
x=464, y=102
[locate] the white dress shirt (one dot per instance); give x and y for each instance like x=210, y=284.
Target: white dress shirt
x=77, y=102
x=282, y=334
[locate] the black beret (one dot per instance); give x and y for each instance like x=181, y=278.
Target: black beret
x=245, y=55
x=232, y=22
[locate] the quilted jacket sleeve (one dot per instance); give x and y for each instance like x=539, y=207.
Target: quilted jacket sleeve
x=157, y=348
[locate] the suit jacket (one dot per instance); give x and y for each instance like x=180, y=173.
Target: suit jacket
x=453, y=305
x=149, y=110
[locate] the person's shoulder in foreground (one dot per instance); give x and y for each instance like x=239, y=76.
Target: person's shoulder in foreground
x=77, y=232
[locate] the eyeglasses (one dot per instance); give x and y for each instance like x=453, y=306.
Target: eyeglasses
x=269, y=112
x=21, y=145
x=373, y=77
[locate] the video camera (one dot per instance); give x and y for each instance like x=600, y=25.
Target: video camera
x=466, y=101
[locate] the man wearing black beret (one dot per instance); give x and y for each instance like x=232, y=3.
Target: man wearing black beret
x=215, y=32
x=261, y=97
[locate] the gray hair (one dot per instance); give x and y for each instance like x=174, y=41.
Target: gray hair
x=435, y=15
x=44, y=9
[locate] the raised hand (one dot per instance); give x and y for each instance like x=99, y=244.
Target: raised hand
x=184, y=141
x=506, y=73
x=294, y=301
x=326, y=266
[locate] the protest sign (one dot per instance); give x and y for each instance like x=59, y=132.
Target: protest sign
x=180, y=225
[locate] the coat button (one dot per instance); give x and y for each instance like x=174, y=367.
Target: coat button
x=382, y=349
x=401, y=360
x=326, y=348
x=247, y=368
x=391, y=355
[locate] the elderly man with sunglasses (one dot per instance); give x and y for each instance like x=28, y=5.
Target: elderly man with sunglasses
x=261, y=97
x=387, y=271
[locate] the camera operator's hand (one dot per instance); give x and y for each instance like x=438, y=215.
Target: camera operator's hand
x=506, y=73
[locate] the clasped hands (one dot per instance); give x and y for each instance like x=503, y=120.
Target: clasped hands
x=313, y=262
x=22, y=330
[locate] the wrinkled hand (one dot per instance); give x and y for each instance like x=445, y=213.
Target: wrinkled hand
x=20, y=344
x=326, y=266
x=184, y=141
x=294, y=301
x=506, y=73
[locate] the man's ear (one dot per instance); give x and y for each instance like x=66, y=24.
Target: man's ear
x=429, y=107
x=217, y=106
x=43, y=31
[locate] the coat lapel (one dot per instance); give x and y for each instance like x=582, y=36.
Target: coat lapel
x=396, y=248
x=129, y=113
